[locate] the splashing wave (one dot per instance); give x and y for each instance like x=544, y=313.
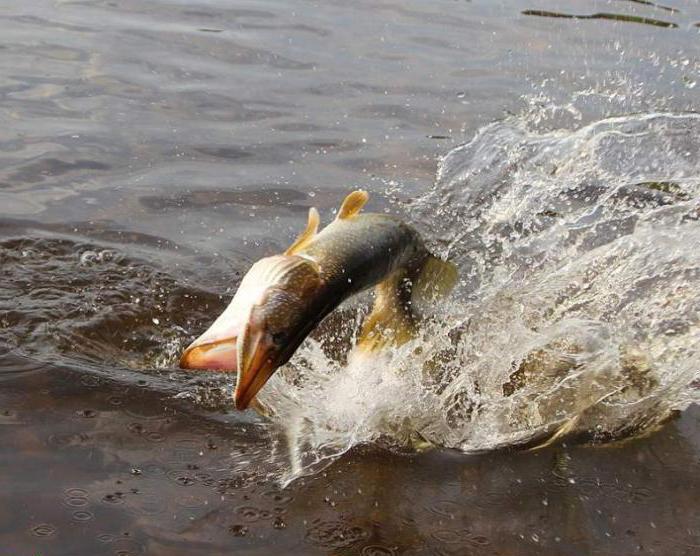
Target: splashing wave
x=577, y=314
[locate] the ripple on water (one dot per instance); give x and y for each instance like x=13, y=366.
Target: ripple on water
x=155, y=414
x=238, y=530
x=192, y=501
x=281, y=498
x=251, y=514
x=236, y=482
x=147, y=504
x=181, y=477
x=136, y=428
x=378, y=550
x=67, y=439
x=87, y=413
x=75, y=493
x=446, y=508
x=91, y=381
x=335, y=534
x=153, y=469
x=122, y=546
x=115, y=401
x=205, y=478
x=155, y=436
x=113, y=498
x=461, y=537
x=76, y=501
x=185, y=450
x=44, y=530
x=82, y=515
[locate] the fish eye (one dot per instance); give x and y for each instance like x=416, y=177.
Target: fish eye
x=278, y=338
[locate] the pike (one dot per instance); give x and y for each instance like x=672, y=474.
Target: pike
x=284, y=297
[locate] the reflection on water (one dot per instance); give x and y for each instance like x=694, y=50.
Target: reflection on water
x=659, y=6
x=149, y=152
x=612, y=17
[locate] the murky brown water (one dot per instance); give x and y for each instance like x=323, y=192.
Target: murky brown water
x=150, y=151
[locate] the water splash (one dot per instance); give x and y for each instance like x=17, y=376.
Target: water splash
x=577, y=313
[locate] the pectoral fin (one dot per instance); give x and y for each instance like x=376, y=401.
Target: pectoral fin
x=435, y=280
x=307, y=235
x=352, y=204
x=391, y=321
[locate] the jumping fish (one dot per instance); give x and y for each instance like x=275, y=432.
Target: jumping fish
x=284, y=297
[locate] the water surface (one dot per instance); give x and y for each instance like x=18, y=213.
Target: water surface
x=151, y=151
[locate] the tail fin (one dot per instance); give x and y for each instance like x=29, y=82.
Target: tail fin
x=436, y=280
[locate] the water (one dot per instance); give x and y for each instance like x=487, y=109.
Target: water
x=151, y=152
x=577, y=313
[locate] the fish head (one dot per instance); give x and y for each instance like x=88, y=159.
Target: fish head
x=274, y=310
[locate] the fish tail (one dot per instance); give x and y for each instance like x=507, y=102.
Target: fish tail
x=435, y=280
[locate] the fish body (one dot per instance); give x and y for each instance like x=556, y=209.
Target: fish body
x=358, y=253
x=284, y=297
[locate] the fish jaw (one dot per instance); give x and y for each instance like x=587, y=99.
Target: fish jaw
x=214, y=356
x=256, y=364
x=217, y=348
x=265, y=344
x=274, y=309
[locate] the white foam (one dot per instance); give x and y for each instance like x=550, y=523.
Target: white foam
x=582, y=246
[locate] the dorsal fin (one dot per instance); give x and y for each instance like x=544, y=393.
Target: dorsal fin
x=307, y=235
x=352, y=204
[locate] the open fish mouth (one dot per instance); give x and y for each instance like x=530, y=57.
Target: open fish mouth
x=221, y=355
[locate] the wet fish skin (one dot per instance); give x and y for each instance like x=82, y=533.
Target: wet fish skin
x=358, y=253
x=284, y=297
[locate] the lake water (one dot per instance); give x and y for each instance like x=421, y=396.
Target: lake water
x=151, y=151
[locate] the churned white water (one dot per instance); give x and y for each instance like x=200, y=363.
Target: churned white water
x=577, y=311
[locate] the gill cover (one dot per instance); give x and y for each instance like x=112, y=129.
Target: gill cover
x=218, y=348
x=276, y=324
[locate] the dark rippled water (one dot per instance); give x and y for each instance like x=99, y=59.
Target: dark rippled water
x=150, y=151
